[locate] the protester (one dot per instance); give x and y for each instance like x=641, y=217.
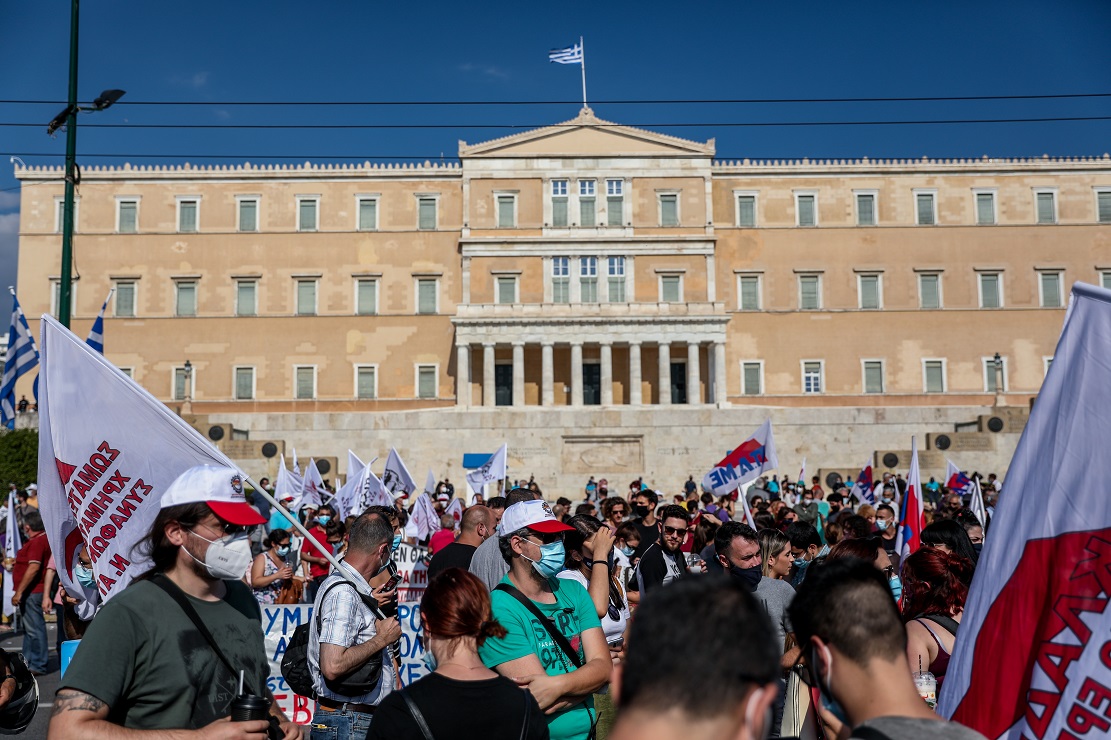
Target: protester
x=806, y=547
x=850, y=631
x=488, y=563
x=614, y=511
x=496, y=504
x=351, y=670
x=644, y=510
x=973, y=527
x=713, y=509
x=888, y=530
x=948, y=535
x=562, y=663
x=270, y=571
x=445, y=536
x=935, y=587
x=144, y=664
x=716, y=685
x=663, y=562
x=318, y=564
x=278, y=518
x=871, y=550
x=775, y=554
x=27, y=579
x=475, y=527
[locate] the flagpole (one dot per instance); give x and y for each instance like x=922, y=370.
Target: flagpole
x=582, y=49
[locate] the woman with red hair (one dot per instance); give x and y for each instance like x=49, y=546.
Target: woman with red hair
x=935, y=586
x=461, y=698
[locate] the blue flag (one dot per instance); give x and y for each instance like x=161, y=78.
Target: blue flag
x=96, y=334
x=21, y=358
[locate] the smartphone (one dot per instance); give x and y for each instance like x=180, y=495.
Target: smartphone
x=395, y=578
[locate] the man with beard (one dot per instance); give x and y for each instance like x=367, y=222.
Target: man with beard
x=663, y=561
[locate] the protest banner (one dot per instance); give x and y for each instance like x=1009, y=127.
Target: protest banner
x=748, y=461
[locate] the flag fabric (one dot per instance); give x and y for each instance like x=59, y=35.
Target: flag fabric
x=913, y=518
x=370, y=492
x=96, y=334
x=423, y=520
x=956, y=481
x=20, y=359
x=568, y=55
x=455, y=509
x=747, y=510
x=348, y=492
x=296, y=467
x=312, y=487
x=396, y=477
x=430, y=482
x=752, y=458
x=802, y=474
x=862, y=487
x=976, y=503
x=108, y=450
x=1032, y=658
x=492, y=470
x=12, y=542
x=288, y=484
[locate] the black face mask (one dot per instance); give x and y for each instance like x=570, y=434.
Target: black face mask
x=977, y=546
x=748, y=578
x=641, y=511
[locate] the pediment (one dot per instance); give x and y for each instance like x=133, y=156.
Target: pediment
x=587, y=136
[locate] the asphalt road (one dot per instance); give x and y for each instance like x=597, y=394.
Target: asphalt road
x=47, y=684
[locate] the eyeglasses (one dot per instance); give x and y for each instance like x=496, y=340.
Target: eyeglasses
x=673, y=531
x=889, y=571
x=546, y=538
x=226, y=527
x=618, y=512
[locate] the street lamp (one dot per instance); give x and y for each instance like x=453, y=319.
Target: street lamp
x=187, y=406
x=997, y=368
x=68, y=119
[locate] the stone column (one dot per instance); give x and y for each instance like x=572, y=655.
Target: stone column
x=607, y=374
x=463, y=375
x=518, y=373
x=665, y=374
x=634, y=374
x=547, y=374
x=576, y=373
x=488, y=395
x=694, y=393
x=721, y=385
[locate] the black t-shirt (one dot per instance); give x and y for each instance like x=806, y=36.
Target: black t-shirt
x=491, y=709
x=455, y=555
x=649, y=533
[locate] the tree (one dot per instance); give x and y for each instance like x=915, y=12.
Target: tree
x=19, y=457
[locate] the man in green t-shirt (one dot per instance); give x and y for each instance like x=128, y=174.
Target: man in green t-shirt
x=531, y=541
x=143, y=664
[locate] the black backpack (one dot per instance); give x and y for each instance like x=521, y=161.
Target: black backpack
x=295, y=662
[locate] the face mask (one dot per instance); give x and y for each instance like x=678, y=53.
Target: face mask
x=84, y=576
x=830, y=704
x=227, y=558
x=396, y=543
x=641, y=511
x=324, y=519
x=748, y=578
x=627, y=551
x=881, y=524
x=896, y=587
x=977, y=546
x=885, y=500
x=428, y=658
x=283, y=551
x=801, y=564
x=551, y=559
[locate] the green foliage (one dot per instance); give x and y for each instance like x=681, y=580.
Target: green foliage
x=19, y=458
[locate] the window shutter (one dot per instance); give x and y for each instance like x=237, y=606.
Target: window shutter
x=128, y=217
x=427, y=213
x=925, y=209
x=669, y=210
x=125, y=299
x=869, y=291
x=244, y=383
x=186, y=299
x=507, y=289
x=989, y=288
x=367, y=297
x=179, y=384
x=308, y=215
x=426, y=380
x=985, y=208
x=750, y=293
x=248, y=215
x=505, y=212
x=245, y=300
x=752, y=379
x=930, y=297
x=368, y=214
x=866, y=210
x=669, y=288
x=809, y=289
x=1045, y=208
x=1103, y=201
x=615, y=211
x=586, y=212
x=366, y=383
x=187, y=211
x=559, y=212
x=934, y=379
x=746, y=210
x=806, y=210
x=426, y=296
x=873, y=377
x=306, y=297
x=1051, y=290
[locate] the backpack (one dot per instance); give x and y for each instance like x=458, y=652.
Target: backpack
x=295, y=662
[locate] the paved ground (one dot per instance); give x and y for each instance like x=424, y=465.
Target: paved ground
x=47, y=683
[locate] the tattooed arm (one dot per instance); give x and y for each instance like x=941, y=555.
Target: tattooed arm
x=77, y=714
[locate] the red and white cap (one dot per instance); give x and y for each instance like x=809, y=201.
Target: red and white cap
x=218, y=486
x=534, y=515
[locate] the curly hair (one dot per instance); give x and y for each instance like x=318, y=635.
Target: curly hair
x=935, y=582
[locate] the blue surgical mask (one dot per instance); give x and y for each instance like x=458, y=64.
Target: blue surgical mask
x=830, y=704
x=396, y=543
x=324, y=519
x=881, y=524
x=627, y=551
x=84, y=576
x=428, y=658
x=551, y=559
x=801, y=564
x=283, y=551
x=896, y=587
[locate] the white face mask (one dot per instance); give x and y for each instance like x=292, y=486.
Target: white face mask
x=227, y=558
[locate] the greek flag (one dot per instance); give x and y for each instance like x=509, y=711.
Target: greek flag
x=570, y=55
x=21, y=357
x=96, y=334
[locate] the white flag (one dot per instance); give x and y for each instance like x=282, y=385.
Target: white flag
x=492, y=470
x=802, y=474
x=296, y=466
x=371, y=492
x=752, y=457
x=12, y=543
x=1032, y=657
x=455, y=508
x=423, y=520
x=348, y=492
x=396, y=476
x=108, y=450
x=313, y=488
x=288, y=485
x=430, y=483
x=977, y=503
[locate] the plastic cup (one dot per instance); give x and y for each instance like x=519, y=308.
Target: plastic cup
x=248, y=707
x=926, y=684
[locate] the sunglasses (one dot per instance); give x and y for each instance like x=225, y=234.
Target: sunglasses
x=673, y=531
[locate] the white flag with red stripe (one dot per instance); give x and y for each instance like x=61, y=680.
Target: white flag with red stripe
x=423, y=520
x=312, y=490
x=913, y=519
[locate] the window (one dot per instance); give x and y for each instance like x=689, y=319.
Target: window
x=806, y=209
x=812, y=376
x=186, y=304
x=306, y=297
x=748, y=290
x=929, y=290
x=1105, y=279
x=810, y=292
x=304, y=382
x=366, y=382
x=616, y=270
x=561, y=280
x=746, y=210
x=127, y=215
x=427, y=296
x=244, y=383
x=507, y=211
x=187, y=213
x=925, y=207
x=56, y=296
x=559, y=203
x=870, y=288
x=368, y=214
x=985, y=208
x=246, y=298
x=426, y=213
x=873, y=376
x=426, y=381
x=125, y=298
x=933, y=374
x=1049, y=289
x=507, y=289
x=752, y=378
x=587, y=216
x=366, y=296
x=671, y=288
x=865, y=208
x=1046, y=201
x=669, y=209
x=588, y=279
x=992, y=375
x=128, y=371
x=1047, y=362
x=184, y=383
x=59, y=213
x=307, y=213
x=248, y=214
x=615, y=202
x=991, y=290
x=1103, y=206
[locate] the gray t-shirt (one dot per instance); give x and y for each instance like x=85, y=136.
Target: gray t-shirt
x=488, y=564
x=776, y=596
x=908, y=728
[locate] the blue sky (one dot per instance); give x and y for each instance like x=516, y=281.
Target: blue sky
x=341, y=50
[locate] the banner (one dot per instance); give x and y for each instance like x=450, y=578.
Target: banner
x=1033, y=655
x=395, y=477
x=491, y=471
x=913, y=519
x=13, y=540
x=753, y=457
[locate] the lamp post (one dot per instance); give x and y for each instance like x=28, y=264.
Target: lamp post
x=997, y=369
x=187, y=405
x=68, y=119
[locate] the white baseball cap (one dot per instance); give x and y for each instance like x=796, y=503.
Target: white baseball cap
x=32, y=486
x=218, y=486
x=535, y=515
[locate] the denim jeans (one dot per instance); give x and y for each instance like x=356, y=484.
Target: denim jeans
x=35, y=650
x=338, y=725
